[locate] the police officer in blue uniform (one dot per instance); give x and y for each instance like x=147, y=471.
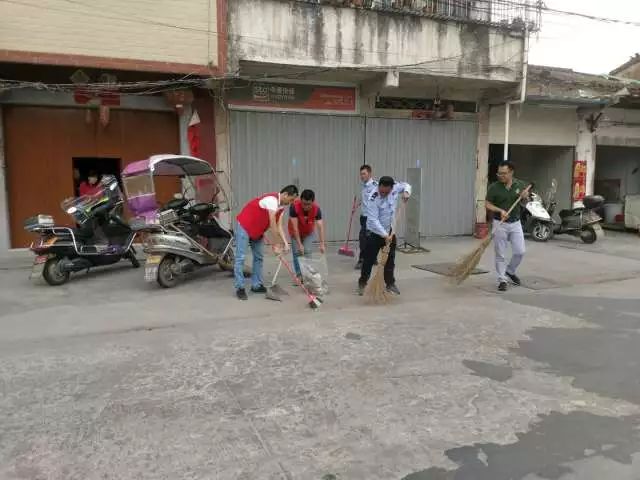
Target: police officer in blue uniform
x=380, y=211
x=369, y=185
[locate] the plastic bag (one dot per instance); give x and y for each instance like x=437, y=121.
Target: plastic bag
x=314, y=274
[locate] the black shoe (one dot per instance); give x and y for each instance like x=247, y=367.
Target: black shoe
x=502, y=287
x=361, y=287
x=393, y=289
x=514, y=279
x=241, y=293
x=358, y=265
x=260, y=289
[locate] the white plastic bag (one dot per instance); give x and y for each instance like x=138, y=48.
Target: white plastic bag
x=314, y=274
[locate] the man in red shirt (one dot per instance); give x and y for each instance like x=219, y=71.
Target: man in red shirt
x=261, y=214
x=304, y=215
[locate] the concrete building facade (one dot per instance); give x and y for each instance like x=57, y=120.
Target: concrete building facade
x=301, y=91
x=572, y=119
x=89, y=87
x=408, y=81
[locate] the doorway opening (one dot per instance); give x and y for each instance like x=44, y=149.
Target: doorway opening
x=539, y=164
x=83, y=166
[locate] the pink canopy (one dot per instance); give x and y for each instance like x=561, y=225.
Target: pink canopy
x=169, y=165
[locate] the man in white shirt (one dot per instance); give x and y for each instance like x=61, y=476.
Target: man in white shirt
x=381, y=211
x=369, y=185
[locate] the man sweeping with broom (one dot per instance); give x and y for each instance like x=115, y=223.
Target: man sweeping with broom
x=503, y=199
x=380, y=213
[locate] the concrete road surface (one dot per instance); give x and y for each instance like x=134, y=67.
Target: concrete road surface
x=111, y=378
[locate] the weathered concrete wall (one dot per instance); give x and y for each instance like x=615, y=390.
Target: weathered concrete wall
x=619, y=127
x=535, y=125
x=171, y=32
x=289, y=32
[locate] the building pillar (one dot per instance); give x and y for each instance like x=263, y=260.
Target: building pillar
x=586, y=148
x=223, y=154
x=482, y=169
x=5, y=241
x=183, y=129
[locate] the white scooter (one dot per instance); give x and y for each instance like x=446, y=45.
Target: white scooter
x=535, y=218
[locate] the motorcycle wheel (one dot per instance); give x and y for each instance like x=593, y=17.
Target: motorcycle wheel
x=52, y=274
x=541, y=232
x=131, y=255
x=588, y=235
x=166, y=278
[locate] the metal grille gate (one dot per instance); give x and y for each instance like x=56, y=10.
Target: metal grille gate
x=324, y=152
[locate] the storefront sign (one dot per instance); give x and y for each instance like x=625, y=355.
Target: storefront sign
x=579, y=180
x=301, y=97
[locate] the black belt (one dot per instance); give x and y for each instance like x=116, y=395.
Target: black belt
x=498, y=217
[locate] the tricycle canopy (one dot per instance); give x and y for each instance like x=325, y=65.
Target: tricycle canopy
x=169, y=165
x=199, y=180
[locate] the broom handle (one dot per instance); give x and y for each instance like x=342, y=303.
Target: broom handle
x=395, y=221
x=353, y=210
x=515, y=204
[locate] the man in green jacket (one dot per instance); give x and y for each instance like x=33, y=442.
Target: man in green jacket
x=500, y=196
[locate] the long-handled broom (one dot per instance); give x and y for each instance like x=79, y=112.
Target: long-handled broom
x=377, y=289
x=274, y=290
x=314, y=302
x=346, y=249
x=467, y=264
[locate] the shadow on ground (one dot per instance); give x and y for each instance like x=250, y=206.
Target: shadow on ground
x=546, y=451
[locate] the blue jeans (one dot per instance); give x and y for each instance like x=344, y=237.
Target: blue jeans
x=306, y=244
x=242, y=242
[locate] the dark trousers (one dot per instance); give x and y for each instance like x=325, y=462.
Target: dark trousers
x=373, y=245
x=363, y=236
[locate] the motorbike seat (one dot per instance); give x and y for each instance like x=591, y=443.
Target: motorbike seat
x=176, y=204
x=202, y=209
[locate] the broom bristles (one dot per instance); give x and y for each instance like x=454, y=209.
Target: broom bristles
x=377, y=289
x=467, y=264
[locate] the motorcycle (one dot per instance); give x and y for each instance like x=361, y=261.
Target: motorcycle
x=582, y=221
x=100, y=238
x=536, y=220
x=185, y=234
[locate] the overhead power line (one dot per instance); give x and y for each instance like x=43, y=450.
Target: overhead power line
x=587, y=16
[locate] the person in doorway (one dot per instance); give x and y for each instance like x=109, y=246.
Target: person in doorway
x=304, y=215
x=91, y=185
x=262, y=214
x=369, y=185
x=507, y=227
x=380, y=211
x=76, y=182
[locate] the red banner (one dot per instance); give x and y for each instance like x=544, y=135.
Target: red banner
x=579, y=180
x=295, y=97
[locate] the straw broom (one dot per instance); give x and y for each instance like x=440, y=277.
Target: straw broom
x=467, y=264
x=376, y=291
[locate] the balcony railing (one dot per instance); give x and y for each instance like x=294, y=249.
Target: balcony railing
x=508, y=14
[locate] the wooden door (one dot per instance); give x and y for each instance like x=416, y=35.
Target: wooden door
x=42, y=141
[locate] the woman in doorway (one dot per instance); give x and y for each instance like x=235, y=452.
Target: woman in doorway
x=91, y=185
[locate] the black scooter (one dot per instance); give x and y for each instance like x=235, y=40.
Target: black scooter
x=581, y=222
x=101, y=238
